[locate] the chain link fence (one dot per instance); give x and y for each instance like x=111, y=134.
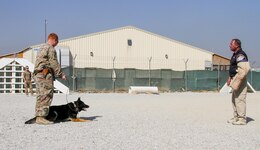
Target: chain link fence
x=95, y=79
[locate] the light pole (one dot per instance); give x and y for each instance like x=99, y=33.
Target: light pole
x=45, y=30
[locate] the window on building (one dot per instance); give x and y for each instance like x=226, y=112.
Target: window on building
x=129, y=42
x=8, y=79
x=8, y=68
x=8, y=86
x=18, y=68
x=9, y=74
x=18, y=86
x=18, y=80
x=208, y=65
x=166, y=56
x=18, y=74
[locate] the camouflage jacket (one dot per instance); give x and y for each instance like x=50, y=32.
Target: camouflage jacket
x=47, y=58
x=27, y=76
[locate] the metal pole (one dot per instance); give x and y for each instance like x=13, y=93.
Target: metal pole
x=45, y=30
x=186, y=84
x=251, y=70
x=150, y=59
x=113, y=58
x=73, y=76
x=218, y=75
x=113, y=73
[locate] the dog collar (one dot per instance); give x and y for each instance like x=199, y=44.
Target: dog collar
x=77, y=109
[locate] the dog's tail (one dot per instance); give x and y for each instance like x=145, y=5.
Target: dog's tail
x=31, y=121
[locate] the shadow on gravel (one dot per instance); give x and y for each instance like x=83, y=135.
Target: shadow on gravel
x=248, y=119
x=92, y=118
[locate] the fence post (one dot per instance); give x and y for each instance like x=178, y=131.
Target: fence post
x=251, y=70
x=113, y=73
x=218, y=75
x=73, y=70
x=186, y=84
x=150, y=59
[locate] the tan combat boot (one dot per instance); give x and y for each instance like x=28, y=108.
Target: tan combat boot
x=43, y=121
x=235, y=119
x=241, y=121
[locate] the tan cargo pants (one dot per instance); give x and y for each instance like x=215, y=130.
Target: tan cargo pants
x=239, y=100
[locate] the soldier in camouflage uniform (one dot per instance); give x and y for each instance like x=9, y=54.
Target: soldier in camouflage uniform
x=27, y=79
x=46, y=67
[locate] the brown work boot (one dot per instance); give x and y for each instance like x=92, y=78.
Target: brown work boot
x=43, y=121
x=241, y=121
x=235, y=119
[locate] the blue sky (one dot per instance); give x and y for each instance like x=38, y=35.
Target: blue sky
x=207, y=24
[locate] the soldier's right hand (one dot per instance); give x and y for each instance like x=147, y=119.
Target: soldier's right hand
x=228, y=81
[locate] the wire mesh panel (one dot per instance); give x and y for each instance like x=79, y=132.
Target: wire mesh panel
x=165, y=79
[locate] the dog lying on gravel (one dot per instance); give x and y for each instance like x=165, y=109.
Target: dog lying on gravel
x=64, y=112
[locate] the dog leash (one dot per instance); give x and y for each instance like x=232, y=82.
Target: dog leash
x=67, y=91
x=67, y=96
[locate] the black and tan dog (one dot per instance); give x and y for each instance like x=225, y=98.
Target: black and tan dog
x=64, y=112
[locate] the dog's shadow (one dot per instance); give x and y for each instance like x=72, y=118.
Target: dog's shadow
x=91, y=118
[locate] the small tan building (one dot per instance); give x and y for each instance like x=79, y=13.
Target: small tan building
x=19, y=54
x=220, y=62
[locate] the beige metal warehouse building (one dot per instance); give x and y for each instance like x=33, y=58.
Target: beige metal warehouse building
x=129, y=47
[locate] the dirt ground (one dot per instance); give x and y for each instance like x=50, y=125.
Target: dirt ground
x=122, y=121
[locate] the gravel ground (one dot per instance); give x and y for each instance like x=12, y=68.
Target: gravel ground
x=129, y=122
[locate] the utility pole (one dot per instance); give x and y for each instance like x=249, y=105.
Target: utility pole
x=45, y=30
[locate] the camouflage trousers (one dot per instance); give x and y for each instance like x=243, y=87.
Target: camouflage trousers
x=28, y=84
x=44, y=90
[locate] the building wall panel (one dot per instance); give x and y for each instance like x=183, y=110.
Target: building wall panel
x=113, y=43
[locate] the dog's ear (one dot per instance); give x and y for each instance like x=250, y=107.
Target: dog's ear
x=78, y=98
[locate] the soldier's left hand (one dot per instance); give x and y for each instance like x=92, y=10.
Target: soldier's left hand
x=63, y=77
